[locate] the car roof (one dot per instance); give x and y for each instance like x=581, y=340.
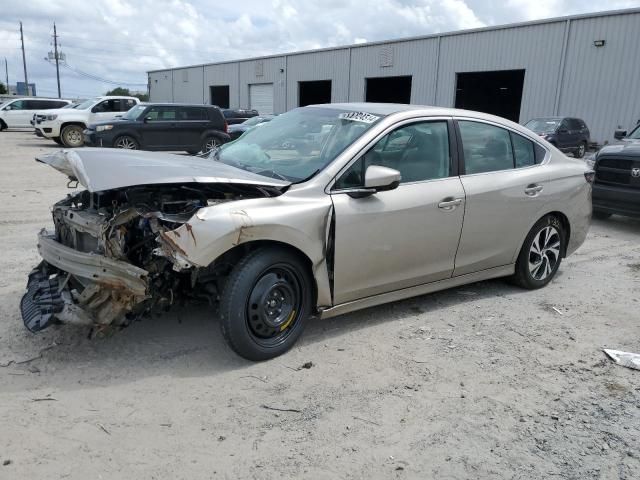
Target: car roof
x=39, y=98
x=154, y=104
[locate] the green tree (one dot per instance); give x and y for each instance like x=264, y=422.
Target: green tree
x=3, y=89
x=119, y=91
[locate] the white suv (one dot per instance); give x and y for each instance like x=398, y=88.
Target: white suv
x=65, y=125
x=17, y=112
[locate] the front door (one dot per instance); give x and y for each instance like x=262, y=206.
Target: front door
x=18, y=114
x=403, y=237
x=505, y=193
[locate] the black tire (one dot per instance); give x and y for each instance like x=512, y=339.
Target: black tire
x=126, y=142
x=581, y=150
x=209, y=144
x=535, y=270
x=3, y=125
x=58, y=140
x=600, y=215
x=258, y=283
x=71, y=136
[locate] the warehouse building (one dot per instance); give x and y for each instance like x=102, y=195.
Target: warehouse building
x=586, y=66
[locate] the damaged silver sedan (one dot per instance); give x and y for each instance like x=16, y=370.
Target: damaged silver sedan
x=324, y=210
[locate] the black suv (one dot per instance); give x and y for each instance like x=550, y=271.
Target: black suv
x=616, y=187
x=567, y=134
x=238, y=115
x=162, y=126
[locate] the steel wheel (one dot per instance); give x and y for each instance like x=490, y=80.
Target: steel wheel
x=210, y=144
x=581, y=150
x=127, y=143
x=274, y=305
x=544, y=253
x=72, y=136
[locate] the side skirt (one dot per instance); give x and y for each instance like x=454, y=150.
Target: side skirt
x=396, y=295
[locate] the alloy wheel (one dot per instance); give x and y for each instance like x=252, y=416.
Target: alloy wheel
x=126, y=143
x=581, y=150
x=210, y=144
x=544, y=253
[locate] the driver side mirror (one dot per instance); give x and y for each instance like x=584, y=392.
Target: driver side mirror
x=619, y=134
x=147, y=119
x=377, y=179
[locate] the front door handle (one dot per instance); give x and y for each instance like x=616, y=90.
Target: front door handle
x=533, y=189
x=449, y=203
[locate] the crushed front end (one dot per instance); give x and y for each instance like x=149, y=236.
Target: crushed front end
x=107, y=261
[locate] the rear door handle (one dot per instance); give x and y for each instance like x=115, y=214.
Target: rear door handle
x=533, y=190
x=449, y=203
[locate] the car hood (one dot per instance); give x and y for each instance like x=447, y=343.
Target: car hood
x=626, y=146
x=113, y=121
x=100, y=169
x=58, y=111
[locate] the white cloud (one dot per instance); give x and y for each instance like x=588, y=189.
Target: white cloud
x=122, y=39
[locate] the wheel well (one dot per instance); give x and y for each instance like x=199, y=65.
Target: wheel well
x=232, y=257
x=66, y=124
x=566, y=226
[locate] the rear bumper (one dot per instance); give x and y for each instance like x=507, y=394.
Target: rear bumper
x=70, y=286
x=616, y=200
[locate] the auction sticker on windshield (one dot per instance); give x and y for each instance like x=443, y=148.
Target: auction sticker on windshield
x=358, y=117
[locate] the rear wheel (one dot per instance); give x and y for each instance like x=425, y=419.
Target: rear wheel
x=541, y=254
x=210, y=143
x=126, y=142
x=2, y=125
x=71, y=136
x=581, y=150
x=266, y=303
x=58, y=140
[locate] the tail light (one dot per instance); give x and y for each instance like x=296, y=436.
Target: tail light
x=589, y=176
x=226, y=127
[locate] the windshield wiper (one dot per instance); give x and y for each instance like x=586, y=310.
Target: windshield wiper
x=302, y=180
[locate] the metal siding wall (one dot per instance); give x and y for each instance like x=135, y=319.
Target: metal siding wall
x=416, y=58
x=270, y=74
x=222, y=74
x=535, y=48
x=601, y=85
x=160, y=86
x=331, y=65
x=191, y=90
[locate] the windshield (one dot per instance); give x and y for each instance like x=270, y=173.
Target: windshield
x=134, y=113
x=296, y=145
x=542, y=125
x=635, y=134
x=87, y=103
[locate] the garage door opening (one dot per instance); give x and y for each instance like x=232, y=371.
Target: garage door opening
x=261, y=98
x=498, y=93
x=311, y=93
x=388, y=89
x=219, y=95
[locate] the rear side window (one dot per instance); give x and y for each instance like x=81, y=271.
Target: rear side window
x=126, y=104
x=486, y=148
x=32, y=104
x=160, y=114
x=107, y=106
x=194, y=113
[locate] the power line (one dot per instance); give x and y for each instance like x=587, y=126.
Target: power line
x=96, y=77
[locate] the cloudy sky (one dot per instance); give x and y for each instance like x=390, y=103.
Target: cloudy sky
x=119, y=40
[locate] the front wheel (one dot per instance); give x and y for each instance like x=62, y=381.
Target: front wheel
x=71, y=136
x=266, y=303
x=541, y=254
x=581, y=150
x=126, y=142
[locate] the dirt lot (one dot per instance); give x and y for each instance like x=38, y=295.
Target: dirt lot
x=484, y=381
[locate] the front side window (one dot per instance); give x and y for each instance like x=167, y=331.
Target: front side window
x=419, y=151
x=17, y=105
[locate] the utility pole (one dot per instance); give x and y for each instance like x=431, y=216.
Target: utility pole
x=6, y=71
x=24, y=61
x=55, y=51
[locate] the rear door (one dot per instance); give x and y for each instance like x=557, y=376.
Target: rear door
x=159, y=130
x=403, y=237
x=506, y=191
x=106, y=110
x=192, y=122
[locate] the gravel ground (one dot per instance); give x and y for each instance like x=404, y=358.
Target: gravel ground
x=483, y=381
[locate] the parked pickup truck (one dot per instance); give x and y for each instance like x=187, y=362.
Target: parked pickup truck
x=616, y=188
x=65, y=125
